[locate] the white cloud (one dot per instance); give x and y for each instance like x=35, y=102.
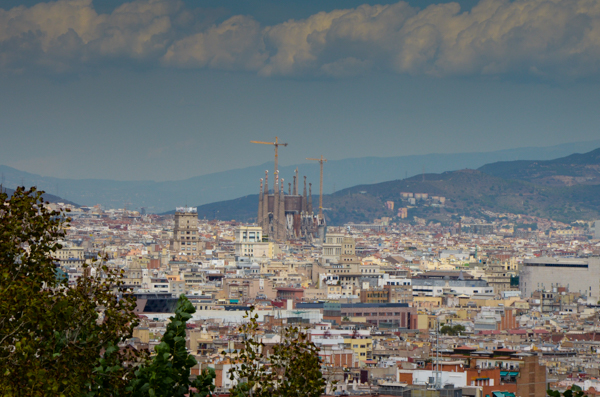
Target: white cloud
x=67, y=33
x=552, y=38
x=234, y=44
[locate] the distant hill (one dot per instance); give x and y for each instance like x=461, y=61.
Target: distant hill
x=576, y=169
x=46, y=197
x=242, y=209
x=158, y=197
x=467, y=192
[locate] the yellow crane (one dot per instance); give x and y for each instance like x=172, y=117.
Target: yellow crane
x=276, y=144
x=321, y=161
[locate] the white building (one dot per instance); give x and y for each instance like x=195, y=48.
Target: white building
x=423, y=377
x=332, y=247
x=249, y=242
x=577, y=274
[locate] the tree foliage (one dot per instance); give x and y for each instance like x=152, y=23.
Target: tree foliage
x=52, y=335
x=291, y=369
x=168, y=374
x=574, y=391
x=452, y=330
x=58, y=339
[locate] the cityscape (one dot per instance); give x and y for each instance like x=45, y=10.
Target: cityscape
x=232, y=199
x=380, y=300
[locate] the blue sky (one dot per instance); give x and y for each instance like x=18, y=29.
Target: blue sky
x=158, y=89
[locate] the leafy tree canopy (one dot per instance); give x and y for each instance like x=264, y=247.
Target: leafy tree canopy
x=291, y=369
x=574, y=391
x=452, y=329
x=58, y=339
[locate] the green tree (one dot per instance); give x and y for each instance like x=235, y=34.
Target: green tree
x=452, y=330
x=52, y=335
x=291, y=369
x=168, y=374
x=574, y=391
x=61, y=340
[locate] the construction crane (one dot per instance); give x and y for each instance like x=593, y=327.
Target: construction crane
x=276, y=144
x=321, y=161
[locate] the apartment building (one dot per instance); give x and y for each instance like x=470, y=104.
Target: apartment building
x=185, y=240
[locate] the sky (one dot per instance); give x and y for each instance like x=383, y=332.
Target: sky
x=164, y=90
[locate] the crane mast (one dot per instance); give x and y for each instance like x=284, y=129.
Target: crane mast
x=276, y=144
x=321, y=161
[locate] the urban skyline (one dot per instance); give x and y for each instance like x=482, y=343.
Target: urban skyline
x=306, y=198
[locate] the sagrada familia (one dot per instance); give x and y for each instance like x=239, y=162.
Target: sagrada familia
x=288, y=216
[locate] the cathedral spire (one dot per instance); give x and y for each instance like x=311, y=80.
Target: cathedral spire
x=304, y=203
x=281, y=227
x=310, y=210
x=259, y=218
x=265, y=206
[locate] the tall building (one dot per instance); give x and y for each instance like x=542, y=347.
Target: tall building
x=245, y=239
x=348, y=254
x=332, y=247
x=185, y=240
x=249, y=242
x=287, y=216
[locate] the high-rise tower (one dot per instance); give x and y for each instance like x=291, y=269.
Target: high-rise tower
x=185, y=240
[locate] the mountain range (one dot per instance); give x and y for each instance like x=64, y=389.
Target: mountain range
x=158, y=197
x=576, y=169
x=564, y=189
x=46, y=197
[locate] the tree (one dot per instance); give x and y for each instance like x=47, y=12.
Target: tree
x=168, y=374
x=574, y=391
x=58, y=339
x=292, y=369
x=452, y=330
x=52, y=336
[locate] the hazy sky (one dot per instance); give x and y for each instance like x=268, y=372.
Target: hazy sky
x=159, y=89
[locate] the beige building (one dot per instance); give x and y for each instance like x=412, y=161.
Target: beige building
x=332, y=247
x=134, y=274
x=185, y=240
x=70, y=256
x=339, y=248
x=249, y=242
x=248, y=288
